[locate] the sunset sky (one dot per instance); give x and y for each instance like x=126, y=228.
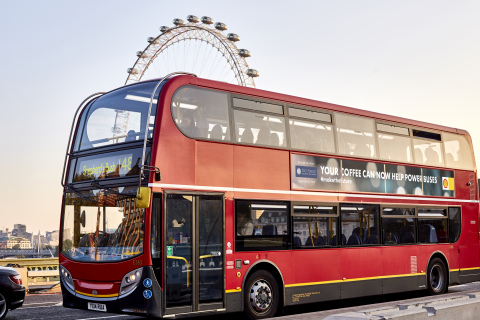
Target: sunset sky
x=413, y=59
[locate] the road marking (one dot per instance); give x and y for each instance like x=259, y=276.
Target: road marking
x=55, y=305
x=121, y=315
x=53, y=302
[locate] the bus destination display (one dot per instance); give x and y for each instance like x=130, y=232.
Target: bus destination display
x=115, y=165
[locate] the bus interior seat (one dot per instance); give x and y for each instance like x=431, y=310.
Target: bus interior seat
x=131, y=136
x=216, y=132
x=319, y=241
x=427, y=234
x=297, y=242
x=269, y=230
x=408, y=237
x=354, y=239
x=247, y=136
x=334, y=240
x=263, y=137
x=394, y=237
x=274, y=140
x=373, y=239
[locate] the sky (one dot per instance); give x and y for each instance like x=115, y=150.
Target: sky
x=416, y=59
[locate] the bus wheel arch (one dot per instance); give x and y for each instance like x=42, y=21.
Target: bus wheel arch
x=437, y=273
x=264, y=269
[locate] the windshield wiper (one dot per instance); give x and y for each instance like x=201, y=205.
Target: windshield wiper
x=109, y=190
x=80, y=195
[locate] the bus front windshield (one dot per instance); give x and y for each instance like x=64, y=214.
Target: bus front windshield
x=118, y=116
x=102, y=225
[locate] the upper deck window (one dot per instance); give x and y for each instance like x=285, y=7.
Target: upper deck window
x=116, y=117
x=200, y=113
x=257, y=105
x=355, y=136
x=427, y=135
x=392, y=129
x=458, y=153
x=310, y=115
x=428, y=152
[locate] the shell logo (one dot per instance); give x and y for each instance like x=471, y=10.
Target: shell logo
x=445, y=183
x=448, y=183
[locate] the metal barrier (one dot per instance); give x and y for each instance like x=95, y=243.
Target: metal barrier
x=36, y=272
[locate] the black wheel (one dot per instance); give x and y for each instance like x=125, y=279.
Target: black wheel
x=3, y=305
x=262, y=296
x=437, y=279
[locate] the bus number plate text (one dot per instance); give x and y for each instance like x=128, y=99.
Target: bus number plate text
x=97, y=306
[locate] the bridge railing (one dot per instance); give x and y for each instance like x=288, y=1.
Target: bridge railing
x=36, y=272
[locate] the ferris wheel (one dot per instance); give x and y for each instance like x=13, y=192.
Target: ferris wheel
x=199, y=48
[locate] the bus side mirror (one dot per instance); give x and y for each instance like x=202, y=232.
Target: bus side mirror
x=143, y=197
x=82, y=218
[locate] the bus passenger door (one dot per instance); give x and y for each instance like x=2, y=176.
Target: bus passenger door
x=194, y=261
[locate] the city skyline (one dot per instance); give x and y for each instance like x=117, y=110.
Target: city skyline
x=410, y=59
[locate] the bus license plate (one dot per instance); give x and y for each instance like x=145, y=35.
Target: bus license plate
x=97, y=306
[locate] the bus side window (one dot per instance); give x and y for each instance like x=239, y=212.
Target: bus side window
x=261, y=225
x=201, y=113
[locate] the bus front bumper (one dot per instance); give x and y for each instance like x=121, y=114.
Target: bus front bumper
x=143, y=301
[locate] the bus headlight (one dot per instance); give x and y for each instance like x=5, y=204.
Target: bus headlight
x=130, y=282
x=66, y=278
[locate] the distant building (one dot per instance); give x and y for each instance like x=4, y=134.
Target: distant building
x=53, y=238
x=13, y=241
x=20, y=230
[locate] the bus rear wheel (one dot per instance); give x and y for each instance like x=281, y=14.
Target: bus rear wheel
x=261, y=298
x=437, y=277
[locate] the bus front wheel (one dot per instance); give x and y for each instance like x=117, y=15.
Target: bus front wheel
x=261, y=296
x=437, y=277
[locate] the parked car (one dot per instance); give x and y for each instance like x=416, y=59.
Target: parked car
x=12, y=291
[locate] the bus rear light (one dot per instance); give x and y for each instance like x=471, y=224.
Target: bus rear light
x=130, y=282
x=16, y=279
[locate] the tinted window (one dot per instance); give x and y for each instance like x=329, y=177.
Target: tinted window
x=395, y=148
x=311, y=136
x=200, y=113
x=360, y=224
x=261, y=225
x=428, y=152
x=455, y=223
x=355, y=135
x=398, y=226
x=314, y=226
x=118, y=116
x=458, y=152
x=432, y=225
x=260, y=129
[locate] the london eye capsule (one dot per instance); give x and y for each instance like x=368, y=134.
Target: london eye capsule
x=142, y=54
x=132, y=71
x=164, y=29
x=192, y=18
x=252, y=73
x=233, y=37
x=220, y=26
x=152, y=40
x=178, y=22
x=207, y=20
x=243, y=53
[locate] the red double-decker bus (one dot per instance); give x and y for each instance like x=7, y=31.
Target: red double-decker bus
x=186, y=196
